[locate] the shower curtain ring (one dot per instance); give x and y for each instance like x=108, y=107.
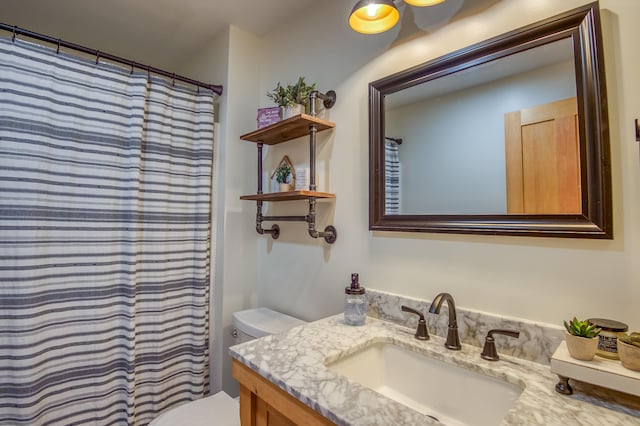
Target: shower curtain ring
x=133, y=64
x=173, y=83
x=13, y=38
x=149, y=72
x=58, y=49
x=97, y=56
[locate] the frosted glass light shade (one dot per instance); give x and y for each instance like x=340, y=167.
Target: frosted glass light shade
x=423, y=2
x=373, y=16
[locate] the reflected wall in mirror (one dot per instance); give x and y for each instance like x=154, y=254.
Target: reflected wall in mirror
x=508, y=136
x=453, y=159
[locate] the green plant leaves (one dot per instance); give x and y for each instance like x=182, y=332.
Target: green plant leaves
x=632, y=339
x=281, y=95
x=282, y=173
x=582, y=328
x=292, y=94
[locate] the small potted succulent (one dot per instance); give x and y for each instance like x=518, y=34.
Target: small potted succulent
x=629, y=350
x=582, y=339
x=292, y=99
x=283, y=177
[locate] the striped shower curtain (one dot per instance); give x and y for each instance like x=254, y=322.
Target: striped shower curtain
x=105, y=195
x=391, y=178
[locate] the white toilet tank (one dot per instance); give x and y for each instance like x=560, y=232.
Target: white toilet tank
x=259, y=322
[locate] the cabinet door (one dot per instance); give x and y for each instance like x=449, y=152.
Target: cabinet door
x=254, y=411
x=264, y=404
x=543, y=159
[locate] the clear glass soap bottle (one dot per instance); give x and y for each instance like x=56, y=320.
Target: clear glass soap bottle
x=355, y=306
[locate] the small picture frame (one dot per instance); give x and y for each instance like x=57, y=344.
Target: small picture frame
x=302, y=178
x=268, y=116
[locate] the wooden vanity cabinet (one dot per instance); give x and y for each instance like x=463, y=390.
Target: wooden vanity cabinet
x=264, y=404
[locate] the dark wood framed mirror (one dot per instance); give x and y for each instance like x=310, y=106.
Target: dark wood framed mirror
x=506, y=137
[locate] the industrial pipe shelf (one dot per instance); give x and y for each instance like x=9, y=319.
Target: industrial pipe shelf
x=286, y=130
x=287, y=196
x=283, y=131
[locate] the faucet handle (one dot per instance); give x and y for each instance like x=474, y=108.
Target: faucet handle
x=489, y=351
x=421, y=333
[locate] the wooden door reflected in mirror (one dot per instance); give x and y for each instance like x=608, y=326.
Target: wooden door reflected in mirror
x=542, y=154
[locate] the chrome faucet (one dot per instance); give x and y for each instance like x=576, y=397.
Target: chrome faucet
x=453, y=339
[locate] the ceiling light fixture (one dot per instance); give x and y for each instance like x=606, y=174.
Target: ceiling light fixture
x=373, y=16
x=423, y=2
x=377, y=16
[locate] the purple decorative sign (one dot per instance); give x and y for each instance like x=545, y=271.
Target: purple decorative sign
x=268, y=116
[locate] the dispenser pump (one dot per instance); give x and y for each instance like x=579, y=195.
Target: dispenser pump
x=354, y=303
x=354, y=288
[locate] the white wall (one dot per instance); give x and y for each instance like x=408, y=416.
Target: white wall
x=540, y=279
x=231, y=59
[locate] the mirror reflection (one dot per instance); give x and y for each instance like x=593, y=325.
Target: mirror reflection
x=495, y=139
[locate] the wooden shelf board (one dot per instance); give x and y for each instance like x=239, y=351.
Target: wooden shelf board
x=600, y=371
x=286, y=130
x=287, y=196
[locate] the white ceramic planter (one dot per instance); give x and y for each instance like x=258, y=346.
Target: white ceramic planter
x=288, y=112
x=285, y=187
x=629, y=355
x=581, y=348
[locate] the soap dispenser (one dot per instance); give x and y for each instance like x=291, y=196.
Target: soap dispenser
x=355, y=306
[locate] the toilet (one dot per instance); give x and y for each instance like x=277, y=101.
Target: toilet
x=220, y=409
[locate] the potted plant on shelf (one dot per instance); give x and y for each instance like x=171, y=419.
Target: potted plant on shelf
x=582, y=339
x=292, y=99
x=629, y=350
x=301, y=91
x=283, y=177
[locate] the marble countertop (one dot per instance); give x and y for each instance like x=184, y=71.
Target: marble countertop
x=295, y=361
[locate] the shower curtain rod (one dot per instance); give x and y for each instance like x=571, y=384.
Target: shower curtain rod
x=98, y=54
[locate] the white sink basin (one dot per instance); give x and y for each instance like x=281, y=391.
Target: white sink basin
x=453, y=395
